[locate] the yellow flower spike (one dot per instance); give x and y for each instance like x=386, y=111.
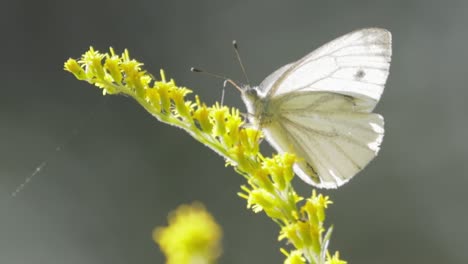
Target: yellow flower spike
x=93, y=61
x=113, y=68
x=309, y=235
x=261, y=198
x=152, y=97
x=201, y=114
x=314, y=235
x=303, y=236
x=134, y=78
x=218, y=115
x=240, y=159
x=249, y=138
x=145, y=80
x=335, y=259
x=311, y=209
x=265, y=201
x=181, y=108
x=131, y=70
x=222, y=129
x=270, y=203
x=72, y=66
x=287, y=160
x=261, y=178
x=164, y=90
x=276, y=171
x=290, y=233
x=233, y=123
x=192, y=236
x=316, y=205
x=295, y=257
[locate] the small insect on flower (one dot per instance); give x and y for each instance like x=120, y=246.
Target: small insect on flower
x=319, y=108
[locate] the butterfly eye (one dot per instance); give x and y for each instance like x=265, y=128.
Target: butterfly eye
x=251, y=92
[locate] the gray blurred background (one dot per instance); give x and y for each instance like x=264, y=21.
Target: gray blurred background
x=120, y=171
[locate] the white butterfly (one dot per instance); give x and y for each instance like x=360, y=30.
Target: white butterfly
x=320, y=107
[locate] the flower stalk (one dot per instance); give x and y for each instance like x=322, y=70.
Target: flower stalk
x=268, y=185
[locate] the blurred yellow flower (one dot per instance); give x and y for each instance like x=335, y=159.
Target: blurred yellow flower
x=192, y=236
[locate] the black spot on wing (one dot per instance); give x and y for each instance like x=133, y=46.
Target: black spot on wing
x=359, y=74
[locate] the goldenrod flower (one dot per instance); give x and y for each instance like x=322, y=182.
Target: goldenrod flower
x=268, y=185
x=192, y=236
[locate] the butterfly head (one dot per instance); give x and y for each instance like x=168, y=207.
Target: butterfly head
x=253, y=102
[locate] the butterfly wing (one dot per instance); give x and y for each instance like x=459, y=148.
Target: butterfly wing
x=356, y=64
x=332, y=141
x=321, y=106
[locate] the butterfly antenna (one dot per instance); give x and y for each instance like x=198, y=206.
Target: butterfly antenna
x=222, y=93
x=219, y=76
x=236, y=49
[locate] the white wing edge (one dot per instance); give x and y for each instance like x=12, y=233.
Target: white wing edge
x=356, y=64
